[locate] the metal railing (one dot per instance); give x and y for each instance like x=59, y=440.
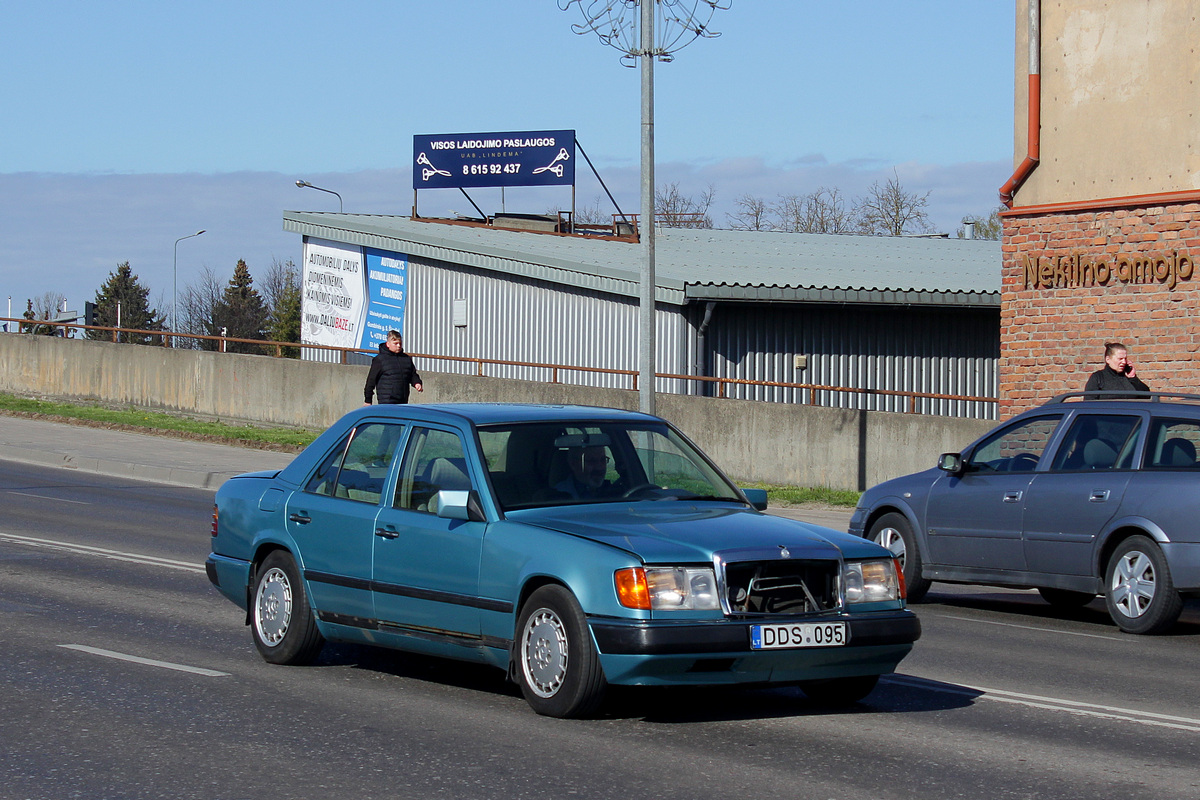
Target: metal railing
x=270, y=347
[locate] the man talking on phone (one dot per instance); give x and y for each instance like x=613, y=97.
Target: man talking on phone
x=1118, y=374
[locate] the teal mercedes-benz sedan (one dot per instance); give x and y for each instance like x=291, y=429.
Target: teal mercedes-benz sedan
x=572, y=547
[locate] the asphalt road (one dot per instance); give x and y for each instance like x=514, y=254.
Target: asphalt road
x=124, y=675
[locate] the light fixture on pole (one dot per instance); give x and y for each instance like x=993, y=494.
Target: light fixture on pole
x=307, y=185
x=660, y=28
x=175, y=287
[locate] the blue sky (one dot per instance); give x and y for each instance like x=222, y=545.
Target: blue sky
x=130, y=124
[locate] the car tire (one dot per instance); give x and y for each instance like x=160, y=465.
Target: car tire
x=1139, y=592
x=281, y=620
x=557, y=666
x=1065, y=598
x=837, y=692
x=893, y=532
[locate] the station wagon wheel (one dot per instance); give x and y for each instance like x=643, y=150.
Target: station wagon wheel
x=834, y=692
x=281, y=620
x=557, y=665
x=1139, y=592
x=893, y=532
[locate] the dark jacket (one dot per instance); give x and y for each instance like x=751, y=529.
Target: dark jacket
x=390, y=376
x=1109, y=380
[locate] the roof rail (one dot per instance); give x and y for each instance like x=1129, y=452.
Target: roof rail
x=1125, y=394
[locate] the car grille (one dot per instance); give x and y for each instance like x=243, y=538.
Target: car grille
x=782, y=587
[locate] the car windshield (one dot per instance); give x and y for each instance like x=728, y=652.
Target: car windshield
x=543, y=464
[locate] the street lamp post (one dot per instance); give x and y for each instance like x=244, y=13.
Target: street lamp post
x=175, y=287
x=660, y=28
x=307, y=185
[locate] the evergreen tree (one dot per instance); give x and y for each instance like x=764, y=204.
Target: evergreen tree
x=122, y=287
x=241, y=312
x=282, y=294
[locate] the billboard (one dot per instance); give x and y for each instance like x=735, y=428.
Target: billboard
x=334, y=286
x=352, y=295
x=522, y=158
x=387, y=284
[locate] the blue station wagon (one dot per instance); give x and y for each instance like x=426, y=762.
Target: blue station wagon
x=1093, y=493
x=572, y=547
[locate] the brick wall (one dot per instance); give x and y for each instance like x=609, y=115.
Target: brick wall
x=1074, y=280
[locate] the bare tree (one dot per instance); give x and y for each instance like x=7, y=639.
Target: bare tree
x=751, y=214
x=890, y=210
x=44, y=308
x=820, y=211
x=199, y=306
x=988, y=227
x=673, y=209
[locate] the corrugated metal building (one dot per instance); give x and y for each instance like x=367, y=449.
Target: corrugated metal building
x=911, y=314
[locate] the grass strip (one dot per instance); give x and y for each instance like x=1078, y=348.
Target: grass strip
x=296, y=439
x=286, y=439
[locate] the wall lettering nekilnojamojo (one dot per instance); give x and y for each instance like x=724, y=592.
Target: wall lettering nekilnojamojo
x=1081, y=270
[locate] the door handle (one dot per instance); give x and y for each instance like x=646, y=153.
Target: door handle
x=301, y=518
x=1013, y=497
x=387, y=533
x=1099, y=496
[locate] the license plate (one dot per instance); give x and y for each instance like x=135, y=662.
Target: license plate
x=797, y=634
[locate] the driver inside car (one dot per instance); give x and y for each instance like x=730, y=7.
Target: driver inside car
x=589, y=468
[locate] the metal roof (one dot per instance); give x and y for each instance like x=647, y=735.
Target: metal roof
x=699, y=264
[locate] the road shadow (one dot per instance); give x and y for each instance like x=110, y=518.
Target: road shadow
x=1029, y=605
x=659, y=705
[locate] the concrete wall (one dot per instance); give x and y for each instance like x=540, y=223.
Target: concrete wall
x=772, y=442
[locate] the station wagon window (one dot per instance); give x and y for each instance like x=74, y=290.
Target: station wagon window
x=1017, y=448
x=435, y=460
x=357, y=471
x=1098, y=441
x=1173, y=444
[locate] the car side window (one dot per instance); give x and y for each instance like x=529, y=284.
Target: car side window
x=365, y=467
x=435, y=460
x=1098, y=441
x=1017, y=448
x=1173, y=444
x=324, y=478
x=357, y=468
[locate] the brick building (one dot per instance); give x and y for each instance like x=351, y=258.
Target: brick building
x=1102, y=234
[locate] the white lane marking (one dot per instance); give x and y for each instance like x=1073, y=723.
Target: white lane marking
x=1051, y=703
x=118, y=555
x=45, y=497
x=1034, y=628
x=96, y=651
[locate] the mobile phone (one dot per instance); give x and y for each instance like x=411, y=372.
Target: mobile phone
x=1128, y=368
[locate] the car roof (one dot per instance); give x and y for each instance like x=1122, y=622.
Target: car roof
x=499, y=413
x=1122, y=400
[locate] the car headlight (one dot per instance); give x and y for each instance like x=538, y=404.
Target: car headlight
x=873, y=581
x=667, y=588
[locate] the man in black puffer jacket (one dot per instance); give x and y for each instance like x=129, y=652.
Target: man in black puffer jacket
x=392, y=372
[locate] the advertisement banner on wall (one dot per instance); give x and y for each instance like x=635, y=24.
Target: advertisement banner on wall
x=334, y=286
x=387, y=282
x=522, y=158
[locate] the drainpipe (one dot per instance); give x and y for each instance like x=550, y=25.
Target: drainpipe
x=702, y=347
x=1034, y=108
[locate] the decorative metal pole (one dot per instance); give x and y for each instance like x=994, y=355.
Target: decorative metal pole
x=677, y=23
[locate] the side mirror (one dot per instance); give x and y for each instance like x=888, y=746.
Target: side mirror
x=757, y=498
x=459, y=504
x=951, y=462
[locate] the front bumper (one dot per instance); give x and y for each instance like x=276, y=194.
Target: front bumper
x=707, y=652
